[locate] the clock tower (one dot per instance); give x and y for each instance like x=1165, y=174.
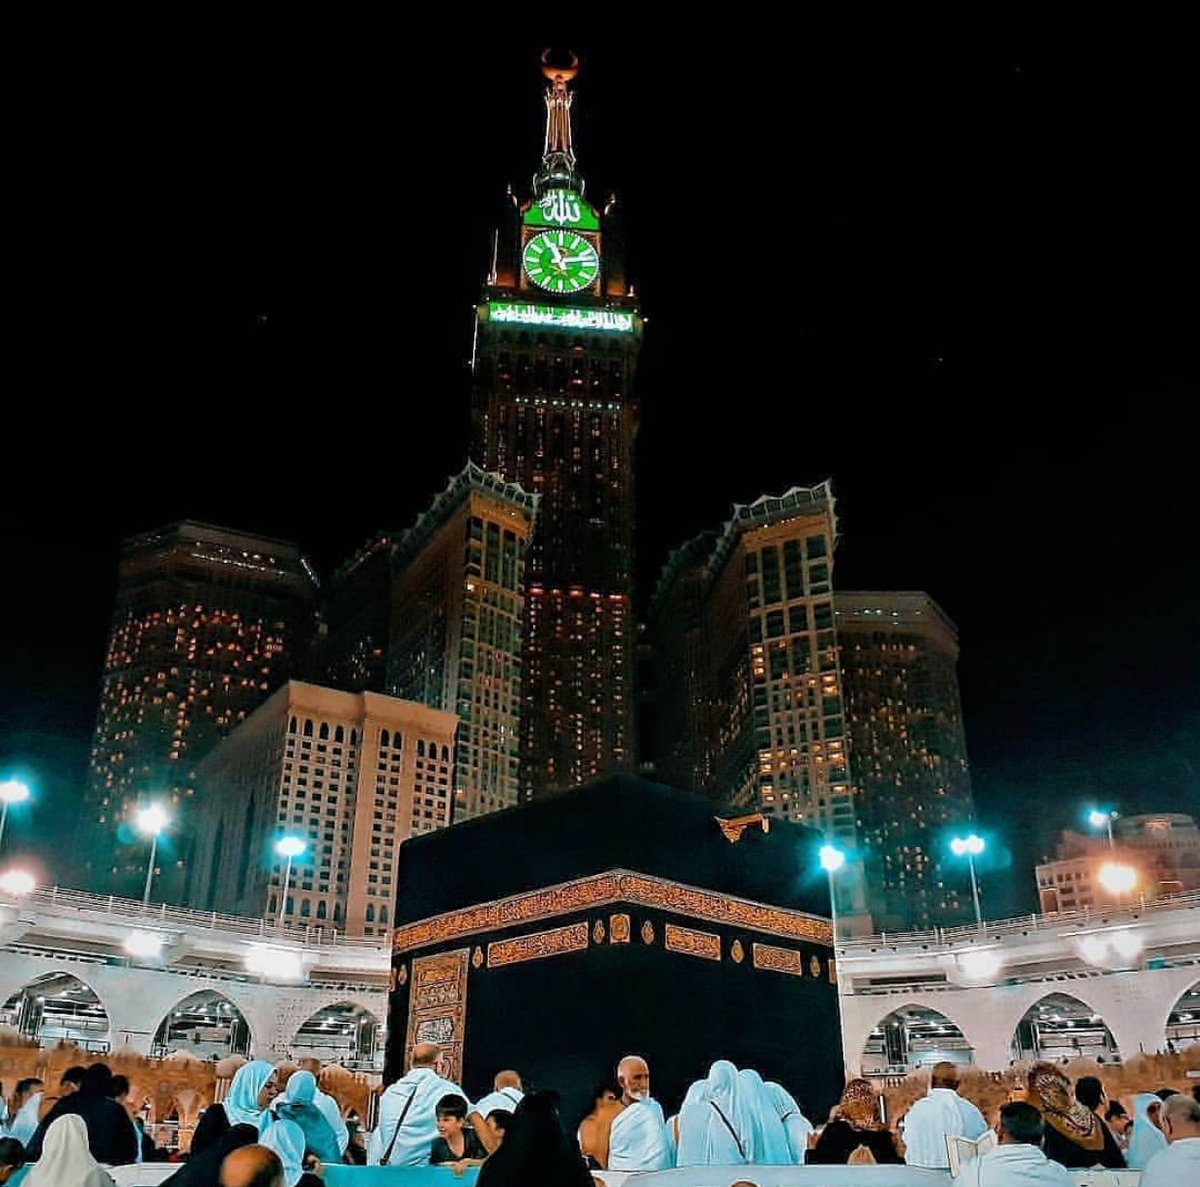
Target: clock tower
x=557, y=338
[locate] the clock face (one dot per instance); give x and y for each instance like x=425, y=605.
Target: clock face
x=561, y=261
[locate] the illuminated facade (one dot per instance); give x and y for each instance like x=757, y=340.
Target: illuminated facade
x=751, y=709
x=456, y=609
x=351, y=774
x=1162, y=849
x=557, y=340
x=208, y=622
x=908, y=755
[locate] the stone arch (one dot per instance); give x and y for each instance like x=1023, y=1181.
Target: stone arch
x=1059, y=1026
x=209, y=1010
x=915, y=1034
x=1182, y=1026
x=351, y=1030
x=89, y=1021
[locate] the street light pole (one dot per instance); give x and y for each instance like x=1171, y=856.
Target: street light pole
x=832, y=859
x=1097, y=818
x=12, y=791
x=151, y=821
x=970, y=847
x=150, y=870
x=287, y=847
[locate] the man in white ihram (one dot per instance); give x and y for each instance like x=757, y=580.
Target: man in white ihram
x=638, y=1138
x=408, y=1112
x=506, y=1094
x=942, y=1112
x=1018, y=1160
x=1179, y=1163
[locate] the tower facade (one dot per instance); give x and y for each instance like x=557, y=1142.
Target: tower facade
x=908, y=755
x=352, y=775
x=749, y=690
x=457, y=606
x=207, y=624
x=558, y=334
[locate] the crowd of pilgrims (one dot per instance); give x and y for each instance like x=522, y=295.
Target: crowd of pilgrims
x=276, y=1128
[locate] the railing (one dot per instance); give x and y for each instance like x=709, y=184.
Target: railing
x=967, y=933
x=57, y=900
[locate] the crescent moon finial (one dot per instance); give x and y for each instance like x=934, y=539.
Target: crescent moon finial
x=560, y=74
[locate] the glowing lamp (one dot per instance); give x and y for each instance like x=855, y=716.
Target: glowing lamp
x=967, y=846
x=13, y=791
x=1098, y=819
x=832, y=858
x=1117, y=878
x=290, y=847
x=17, y=883
x=152, y=820
x=980, y=965
x=1127, y=943
x=144, y=943
x=275, y=964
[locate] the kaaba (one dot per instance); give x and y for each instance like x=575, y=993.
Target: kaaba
x=621, y=917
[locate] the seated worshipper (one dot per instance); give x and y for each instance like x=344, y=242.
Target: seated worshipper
x=709, y=1119
x=856, y=1123
x=252, y=1166
x=1074, y=1135
x=1145, y=1137
x=12, y=1158
x=592, y=1134
x=146, y=1149
x=1118, y=1122
x=637, y=1138
x=111, y=1136
x=329, y=1107
x=296, y=1103
x=498, y=1121
x=456, y=1141
x=506, y=1094
x=253, y=1088
x=536, y=1151
x=286, y=1138
x=941, y=1113
x=204, y=1165
x=408, y=1111
x=27, y=1102
x=1180, y=1120
x=70, y=1081
x=768, y=1144
x=796, y=1125
x=1017, y=1161
x=65, y=1159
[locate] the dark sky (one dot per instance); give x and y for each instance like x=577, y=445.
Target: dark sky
x=957, y=277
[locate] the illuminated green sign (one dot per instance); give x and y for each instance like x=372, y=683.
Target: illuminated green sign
x=561, y=208
x=561, y=317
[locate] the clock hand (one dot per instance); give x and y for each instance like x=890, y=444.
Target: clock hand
x=577, y=259
x=559, y=263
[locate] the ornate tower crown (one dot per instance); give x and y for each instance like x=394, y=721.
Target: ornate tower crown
x=558, y=156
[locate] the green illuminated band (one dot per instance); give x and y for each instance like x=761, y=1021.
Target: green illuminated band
x=562, y=317
x=561, y=208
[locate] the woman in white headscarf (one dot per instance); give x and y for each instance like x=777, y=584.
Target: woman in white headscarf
x=252, y=1090
x=708, y=1133
x=1145, y=1138
x=795, y=1124
x=66, y=1160
x=756, y=1116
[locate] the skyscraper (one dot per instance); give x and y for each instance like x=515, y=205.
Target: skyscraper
x=750, y=698
x=352, y=775
x=206, y=624
x=457, y=598
x=558, y=334
x=908, y=755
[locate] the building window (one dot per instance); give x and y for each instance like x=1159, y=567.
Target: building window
x=308, y=730
x=370, y=916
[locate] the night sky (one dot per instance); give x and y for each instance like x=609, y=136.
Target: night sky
x=957, y=279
